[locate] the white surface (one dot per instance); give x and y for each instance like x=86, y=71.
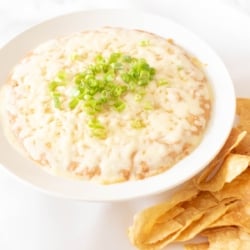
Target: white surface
x=31, y=220
x=215, y=136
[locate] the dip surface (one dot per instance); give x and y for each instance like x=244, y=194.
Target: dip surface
x=142, y=131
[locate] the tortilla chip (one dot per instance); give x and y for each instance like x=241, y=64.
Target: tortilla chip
x=229, y=238
x=187, y=219
x=244, y=146
x=198, y=246
x=239, y=216
x=162, y=230
x=233, y=140
x=144, y=221
x=209, y=216
x=189, y=211
x=238, y=188
x=170, y=214
x=202, y=211
x=230, y=168
x=242, y=110
x=202, y=201
x=195, y=210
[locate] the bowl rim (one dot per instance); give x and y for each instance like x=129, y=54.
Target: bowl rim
x=215, y=135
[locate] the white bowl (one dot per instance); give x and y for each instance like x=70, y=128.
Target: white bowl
x=223, y=109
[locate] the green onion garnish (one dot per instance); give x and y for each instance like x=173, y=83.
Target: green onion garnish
x=56, y=99
x=144, y=43
x=73, y=103
x=179, y=68
x=137, y=124
x=97, y=129
x=162, y=82
x=103, y=85
x=99, y=81
x=148, y=106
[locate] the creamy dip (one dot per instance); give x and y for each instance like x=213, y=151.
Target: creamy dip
x=142, y=131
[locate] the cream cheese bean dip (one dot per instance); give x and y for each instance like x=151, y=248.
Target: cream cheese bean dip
x=107, y=105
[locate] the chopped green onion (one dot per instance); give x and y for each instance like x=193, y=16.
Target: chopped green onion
x=127, y=59
x=86, y=97
x=99, y=59
x=148, y=106
x=114, y=57
x=53, y=85
x=138, y=97
x=109, y=77
x=62, y=75
x=95, y=123
x=144, y=43
x=162, y=82
x=75, y=57
x=103, y=85
x=119, y=106
x=126, y=77
x=56, y=99
x=99, y=133
x=137, y=124
x=97, y=129
x=73, y=103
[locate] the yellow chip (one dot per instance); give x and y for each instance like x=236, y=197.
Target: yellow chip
x=193, y=221
x=198, y=246
x=233, y=140
x=238, y=188
x=209, y=216
x=228, y=238
x=244, y=146
x=144, y=221
x=242, y=110
x=230, y=168
x=239, y=216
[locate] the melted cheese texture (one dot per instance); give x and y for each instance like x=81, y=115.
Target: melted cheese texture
x=59, y=139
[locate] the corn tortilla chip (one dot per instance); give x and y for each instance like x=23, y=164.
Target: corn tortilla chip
x=144, y=221
x=233, y=140
x=187, y=219
x=230, y=168
x=229, y=238
x=244, y=146
x=238, y=188
x=199, y=213
x=186, y=212
x=198, y=246
x=202, y=201
x=162, y=231
x=242, y=110
x=239, y=216
x=209, y=216
x=170, y=214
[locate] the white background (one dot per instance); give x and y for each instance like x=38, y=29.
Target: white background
x=16, y=15
x=30, y=220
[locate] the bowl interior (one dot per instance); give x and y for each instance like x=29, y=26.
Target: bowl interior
x=215, y=136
